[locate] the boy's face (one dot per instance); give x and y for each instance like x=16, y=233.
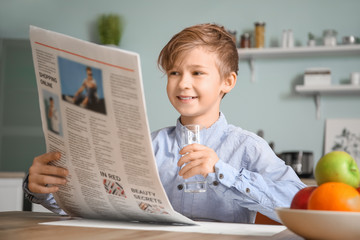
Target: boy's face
x=195, y=87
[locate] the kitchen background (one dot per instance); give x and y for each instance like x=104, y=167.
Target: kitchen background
x=287, y=118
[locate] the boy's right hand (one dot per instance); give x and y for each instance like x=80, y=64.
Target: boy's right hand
x=44, y=178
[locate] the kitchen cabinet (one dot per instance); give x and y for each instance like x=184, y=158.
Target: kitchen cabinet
x=12, y=196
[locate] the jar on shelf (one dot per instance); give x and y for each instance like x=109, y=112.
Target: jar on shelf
x=330, y=37
x=245, y=41
x=259, y=34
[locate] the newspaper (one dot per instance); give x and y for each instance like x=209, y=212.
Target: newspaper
x=93, y=111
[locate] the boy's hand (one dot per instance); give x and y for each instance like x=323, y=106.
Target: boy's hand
x=42, y=174
x=199, y=159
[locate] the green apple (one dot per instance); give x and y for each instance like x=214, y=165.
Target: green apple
x=337, y=166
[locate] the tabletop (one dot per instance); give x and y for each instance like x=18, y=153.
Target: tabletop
x=25, y=226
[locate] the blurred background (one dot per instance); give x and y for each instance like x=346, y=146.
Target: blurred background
x=286, y=118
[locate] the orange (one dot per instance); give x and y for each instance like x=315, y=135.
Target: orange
x=335, y=196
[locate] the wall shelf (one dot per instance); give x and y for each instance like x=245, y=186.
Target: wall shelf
x=318, y=51
x=251, y=54
x=326, y=90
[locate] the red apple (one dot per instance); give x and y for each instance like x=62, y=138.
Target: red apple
x=301, y=198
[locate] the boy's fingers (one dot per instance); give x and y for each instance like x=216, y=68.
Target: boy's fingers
x=47, y=180
x=47, y=157
x=191, y=148
x=55, y=171
x=48, y=170
x=199, y=165
x=38, y=183
x=190, y=157
x=190, y=169
x=43, y=189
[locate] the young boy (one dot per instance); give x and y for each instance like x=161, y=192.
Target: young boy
x=243, y=174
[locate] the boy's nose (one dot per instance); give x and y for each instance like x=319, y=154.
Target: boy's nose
x=185, y=81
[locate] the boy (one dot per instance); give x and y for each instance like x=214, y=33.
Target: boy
x=243, y=174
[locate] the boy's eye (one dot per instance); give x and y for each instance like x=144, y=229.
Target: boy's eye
x=174, y=73
x=196, y=73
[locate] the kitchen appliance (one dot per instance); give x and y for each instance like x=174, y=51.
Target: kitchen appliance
x=301, y=161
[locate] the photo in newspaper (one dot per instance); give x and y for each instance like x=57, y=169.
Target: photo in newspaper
x=93, y=112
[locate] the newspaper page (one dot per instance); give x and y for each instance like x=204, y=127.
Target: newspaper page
x=93, y=111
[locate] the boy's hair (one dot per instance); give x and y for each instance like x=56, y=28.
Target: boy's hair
x=212, y=37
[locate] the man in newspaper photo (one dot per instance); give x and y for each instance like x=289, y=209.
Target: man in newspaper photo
x=242, y=173
x=89, y=85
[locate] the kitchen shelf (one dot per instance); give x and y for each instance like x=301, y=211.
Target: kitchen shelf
x=251, y=54
x=318, y=51
x=326, y=90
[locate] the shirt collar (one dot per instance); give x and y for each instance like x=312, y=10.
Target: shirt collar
x=207, y=133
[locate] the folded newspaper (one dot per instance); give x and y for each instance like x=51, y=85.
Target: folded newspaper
x=93, y=111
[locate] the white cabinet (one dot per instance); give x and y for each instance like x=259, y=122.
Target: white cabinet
x=12, y=196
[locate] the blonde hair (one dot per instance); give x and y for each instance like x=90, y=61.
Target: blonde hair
x=212, y=37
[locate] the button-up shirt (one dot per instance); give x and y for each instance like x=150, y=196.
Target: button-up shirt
x=248, y=177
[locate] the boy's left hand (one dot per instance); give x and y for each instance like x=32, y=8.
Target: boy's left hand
x=199, y=160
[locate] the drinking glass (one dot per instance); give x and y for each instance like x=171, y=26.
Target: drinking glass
x=191, y=134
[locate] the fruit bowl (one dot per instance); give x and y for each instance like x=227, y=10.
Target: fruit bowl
x=317, y=224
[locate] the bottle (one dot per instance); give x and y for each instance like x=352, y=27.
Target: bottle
x=290, y=40
x=245, y=41
x=284, y=38
x=287, y=39
x=259, y=34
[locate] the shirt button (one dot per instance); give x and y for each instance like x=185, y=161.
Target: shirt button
x=221, y=176
x=180, y=187
x=215, y=183
x=247, y=190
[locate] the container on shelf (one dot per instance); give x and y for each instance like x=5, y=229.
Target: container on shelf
x=330, y=37
x=245, y=41
x=348, y=40
x=259, y=34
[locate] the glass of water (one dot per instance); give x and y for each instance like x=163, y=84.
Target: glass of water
x=191, y=134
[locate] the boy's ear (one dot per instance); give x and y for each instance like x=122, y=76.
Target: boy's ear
x=229, y=82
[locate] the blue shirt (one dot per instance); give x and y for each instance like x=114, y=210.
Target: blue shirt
x=248, y=177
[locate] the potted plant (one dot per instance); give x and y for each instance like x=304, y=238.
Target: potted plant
x=311, y=40
x=109, y=27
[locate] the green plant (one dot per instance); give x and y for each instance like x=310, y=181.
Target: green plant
x=311, y=36
x=109, y=27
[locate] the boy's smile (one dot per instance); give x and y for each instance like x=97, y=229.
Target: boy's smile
x=186, y=98
x=195, y=87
